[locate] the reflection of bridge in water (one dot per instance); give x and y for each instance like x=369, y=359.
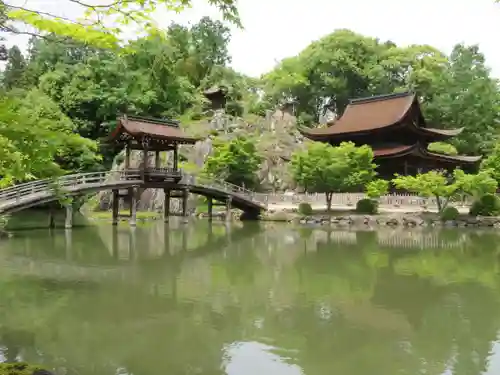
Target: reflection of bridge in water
x=125, y=247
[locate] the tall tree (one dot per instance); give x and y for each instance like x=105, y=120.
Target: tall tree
x=13, y=75
x=465, y=95
x=322, y=168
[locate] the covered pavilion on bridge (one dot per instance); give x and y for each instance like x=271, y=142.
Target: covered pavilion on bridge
x=150, y=135
x=395, y=128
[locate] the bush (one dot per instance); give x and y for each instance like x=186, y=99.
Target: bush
x=449, y=213
x=487, y=205
x=367, y=206
x=305, y=209
x=20, y=368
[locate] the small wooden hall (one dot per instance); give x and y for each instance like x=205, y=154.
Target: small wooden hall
x=395, y=128
x=152, y=137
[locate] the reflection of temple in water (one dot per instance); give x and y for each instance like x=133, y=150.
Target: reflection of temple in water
x=410, y=239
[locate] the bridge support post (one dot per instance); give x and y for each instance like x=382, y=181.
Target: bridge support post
x=115, y=203
x=210, y=204
x=166, y=206
x=68, y=223
x=228, y=208
x=184, y=206
x=133, y=207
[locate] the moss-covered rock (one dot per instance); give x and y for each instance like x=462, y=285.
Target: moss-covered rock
x=21, y=368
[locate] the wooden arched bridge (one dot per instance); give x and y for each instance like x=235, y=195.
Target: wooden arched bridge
x=174, y=183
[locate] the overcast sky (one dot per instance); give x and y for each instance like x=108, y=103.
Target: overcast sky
x=274, y=29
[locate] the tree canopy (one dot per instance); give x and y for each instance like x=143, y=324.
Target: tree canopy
x=236, y=162
x=101, y=23
x=322, y=168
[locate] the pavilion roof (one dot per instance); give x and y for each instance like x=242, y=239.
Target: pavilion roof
x=156, y=129
x=368, y=114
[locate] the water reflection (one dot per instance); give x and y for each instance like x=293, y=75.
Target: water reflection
x=248, y=299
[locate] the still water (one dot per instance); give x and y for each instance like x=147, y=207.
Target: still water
x=251, y=300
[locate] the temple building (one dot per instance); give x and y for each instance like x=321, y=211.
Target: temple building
x=394, y=127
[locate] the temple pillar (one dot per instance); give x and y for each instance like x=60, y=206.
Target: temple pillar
x=145, y=155
x=210, y=204
x=115, y=206
x=184, y=206
x=133, y=207
x=127, y=156
x=176, y=157
x=68, y=223
x=166, y=205
x=157, y=159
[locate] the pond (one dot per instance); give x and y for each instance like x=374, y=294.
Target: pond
x=251, y=299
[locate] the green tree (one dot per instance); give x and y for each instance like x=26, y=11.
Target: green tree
x=465, y=95
x=322, y=168
x=492, y=163
x=377, y=188
x=443, y=187
x=236, y=161
x=13, y=75
x=36, y=139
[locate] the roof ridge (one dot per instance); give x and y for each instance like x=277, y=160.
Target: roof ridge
x=376, y=98
x=153, y=120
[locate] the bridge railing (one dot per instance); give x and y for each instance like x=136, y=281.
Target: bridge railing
x=224, y=186
x=20, y=191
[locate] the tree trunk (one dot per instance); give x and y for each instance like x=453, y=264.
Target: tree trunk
x=329, y=201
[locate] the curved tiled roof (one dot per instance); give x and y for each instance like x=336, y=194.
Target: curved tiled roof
x=393, y=151
x=154, y=128
x=363, y=115
x=377, y=112
x=417, y=150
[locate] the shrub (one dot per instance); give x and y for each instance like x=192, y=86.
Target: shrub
x=367, y=206
x=449, y=213
x=487, y=205
x=20, y=368
x=305, y=209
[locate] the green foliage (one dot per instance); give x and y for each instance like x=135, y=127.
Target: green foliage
x=322, y=168
x=91, y=29
x=367, y=206
x=13, y=76
x=442, y=148
x=36, y=139
x=305, y=209
x=492, y=163
x=487, y=205
x=236, y=162
x=18, y=368
x=377, y=188
x=450, y=213
x=443, y=187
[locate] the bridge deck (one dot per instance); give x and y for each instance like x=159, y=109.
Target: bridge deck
x=26, y=195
